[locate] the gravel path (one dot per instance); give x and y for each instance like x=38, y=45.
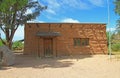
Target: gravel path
x=83, y=66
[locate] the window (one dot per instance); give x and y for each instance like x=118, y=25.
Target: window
x=81, y=41
x=76, y=42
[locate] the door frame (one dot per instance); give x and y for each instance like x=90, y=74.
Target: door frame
x=51, y=47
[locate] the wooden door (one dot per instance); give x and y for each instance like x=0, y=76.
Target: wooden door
x=48, y=47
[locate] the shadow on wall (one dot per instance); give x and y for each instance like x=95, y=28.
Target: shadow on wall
x=24, y=61
x=99, y=36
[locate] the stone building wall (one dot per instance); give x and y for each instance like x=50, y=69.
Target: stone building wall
x=64, y=44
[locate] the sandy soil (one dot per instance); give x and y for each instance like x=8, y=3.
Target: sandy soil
x=87, y=66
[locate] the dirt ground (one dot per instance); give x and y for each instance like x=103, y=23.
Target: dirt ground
x=83, y=66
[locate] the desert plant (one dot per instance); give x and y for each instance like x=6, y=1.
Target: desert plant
x=116, y=47
x=17, y=45
x=1, y=43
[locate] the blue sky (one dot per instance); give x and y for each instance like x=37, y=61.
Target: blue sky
x=74, y=11
x=81, y=11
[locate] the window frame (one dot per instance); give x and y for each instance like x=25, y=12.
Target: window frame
x=81, y=41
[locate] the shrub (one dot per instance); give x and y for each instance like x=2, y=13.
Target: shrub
x=1, y=43
x=115, y=47
x=17, y=45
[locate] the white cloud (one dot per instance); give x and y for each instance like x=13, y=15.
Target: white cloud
x=78, y=4
x=111, y=29
x=97, y=2
x=29, y=11
x=82, y=4
x=70, y=20
x=56, y=6
x=35, y=21
x=53, y=5
x=51, y=11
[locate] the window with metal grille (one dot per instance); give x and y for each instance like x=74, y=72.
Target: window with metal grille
x=81, y=41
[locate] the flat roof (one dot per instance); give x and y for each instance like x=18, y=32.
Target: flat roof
x=65, y=23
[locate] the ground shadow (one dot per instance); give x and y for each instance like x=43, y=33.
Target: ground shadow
x=4, y=68
x=24, y=61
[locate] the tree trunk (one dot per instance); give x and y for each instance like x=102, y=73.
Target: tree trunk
x=9, y=44
x=9, y=37
x=9, y=34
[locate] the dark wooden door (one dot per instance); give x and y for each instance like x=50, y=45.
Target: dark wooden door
x=48, y=47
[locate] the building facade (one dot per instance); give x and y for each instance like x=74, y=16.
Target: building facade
x=58, y=39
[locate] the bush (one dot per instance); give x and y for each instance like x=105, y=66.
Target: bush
x=115, y=47
x=17, y=45
x=1, y=44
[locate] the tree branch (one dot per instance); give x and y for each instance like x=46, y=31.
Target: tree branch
x=2, y=41
x=2, y=29
x=7, y=34
x=16, y=27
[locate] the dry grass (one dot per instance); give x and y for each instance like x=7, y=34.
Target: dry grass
x=116, y=55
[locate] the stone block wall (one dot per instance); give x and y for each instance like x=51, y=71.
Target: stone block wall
x=64, y=44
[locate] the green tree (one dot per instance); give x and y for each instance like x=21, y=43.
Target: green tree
x=13, y=13
x=117, y=11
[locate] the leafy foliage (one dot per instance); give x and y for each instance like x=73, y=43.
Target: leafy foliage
x=117, y=11
x=13, y=13
x=116, y=35
x=117, y=6
x=1, y=43
x=115, y=41
x=116, y=47
x=17, y=45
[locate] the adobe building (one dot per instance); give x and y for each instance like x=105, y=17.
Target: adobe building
x=58, y=39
